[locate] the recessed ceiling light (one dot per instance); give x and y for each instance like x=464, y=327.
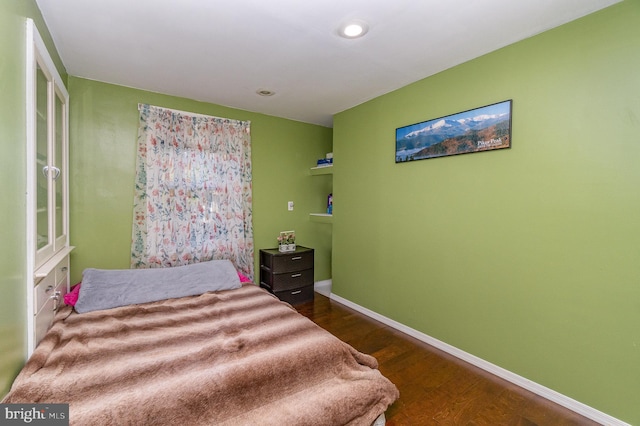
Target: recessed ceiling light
x=353, y=29
x=265, y=92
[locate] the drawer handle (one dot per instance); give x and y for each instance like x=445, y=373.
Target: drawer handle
x=296, y=292
x=64, y=269
x=56, y=298
x=296, y=275
x=49, y=289
x=296, y=258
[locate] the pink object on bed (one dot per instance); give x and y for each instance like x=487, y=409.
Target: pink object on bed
x=243, y=279
x=72, y=297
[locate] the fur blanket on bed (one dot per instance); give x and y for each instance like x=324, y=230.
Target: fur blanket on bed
x=237, y=357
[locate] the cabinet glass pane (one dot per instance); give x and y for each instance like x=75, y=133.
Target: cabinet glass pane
x=42, y=195
x=59, y=135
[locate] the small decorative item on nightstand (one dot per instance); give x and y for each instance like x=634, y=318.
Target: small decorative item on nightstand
x=287, y=241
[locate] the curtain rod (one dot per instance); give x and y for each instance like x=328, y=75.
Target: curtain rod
x=193, y=114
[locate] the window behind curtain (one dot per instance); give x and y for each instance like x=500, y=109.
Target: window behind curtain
x=192, y=190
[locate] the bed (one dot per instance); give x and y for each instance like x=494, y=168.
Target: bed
x=235, y=355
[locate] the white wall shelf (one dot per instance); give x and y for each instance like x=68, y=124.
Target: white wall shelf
x=326, y=170
x=321, y=217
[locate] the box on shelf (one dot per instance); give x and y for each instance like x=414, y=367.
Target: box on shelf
x=324, y=162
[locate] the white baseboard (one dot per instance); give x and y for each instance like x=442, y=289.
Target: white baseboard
x=558, y=398
x=323, y=287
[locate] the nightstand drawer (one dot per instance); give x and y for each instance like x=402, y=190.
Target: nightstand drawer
x=296, y=296
x=286, y=262
x=286, y=281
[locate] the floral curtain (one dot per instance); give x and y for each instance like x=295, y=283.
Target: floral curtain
x=192, y=191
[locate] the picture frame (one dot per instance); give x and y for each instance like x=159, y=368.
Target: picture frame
x=486, y=128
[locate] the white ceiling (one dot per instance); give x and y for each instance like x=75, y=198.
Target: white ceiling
x=224, y=51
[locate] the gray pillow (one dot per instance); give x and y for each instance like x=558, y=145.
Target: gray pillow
x=105, y=289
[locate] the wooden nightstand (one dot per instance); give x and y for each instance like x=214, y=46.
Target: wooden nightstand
x=288, y=275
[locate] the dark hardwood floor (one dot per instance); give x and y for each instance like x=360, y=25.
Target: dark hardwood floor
x=435, y=387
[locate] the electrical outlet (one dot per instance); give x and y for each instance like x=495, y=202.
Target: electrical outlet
x=290, y=206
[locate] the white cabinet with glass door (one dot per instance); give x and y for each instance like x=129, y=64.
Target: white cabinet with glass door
x=47, y=188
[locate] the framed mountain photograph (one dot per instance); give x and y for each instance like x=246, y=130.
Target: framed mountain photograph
x=481, y=129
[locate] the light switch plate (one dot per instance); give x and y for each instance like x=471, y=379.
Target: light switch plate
x=290, y=206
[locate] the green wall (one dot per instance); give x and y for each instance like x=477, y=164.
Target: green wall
x=13, y=304
x=104, y=125
x=528, y=257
